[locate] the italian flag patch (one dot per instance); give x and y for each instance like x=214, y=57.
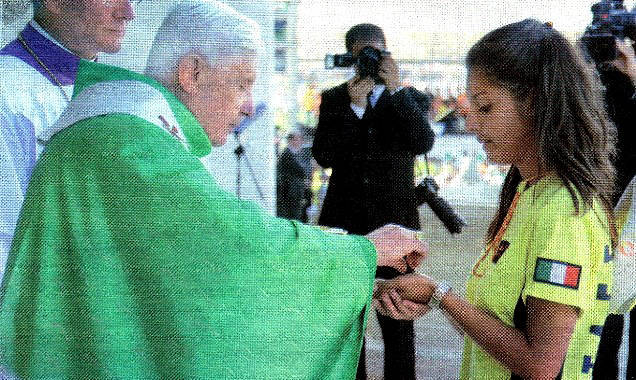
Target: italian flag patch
x=557, y=273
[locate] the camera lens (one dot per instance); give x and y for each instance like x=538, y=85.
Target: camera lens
x=329, y=61
x=369, y=62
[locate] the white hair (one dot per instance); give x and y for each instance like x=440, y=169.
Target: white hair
x=206, y=27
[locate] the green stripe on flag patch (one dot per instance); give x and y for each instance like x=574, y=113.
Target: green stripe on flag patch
x=557, y=273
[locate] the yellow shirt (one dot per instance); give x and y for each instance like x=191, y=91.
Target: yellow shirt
x=551, y=253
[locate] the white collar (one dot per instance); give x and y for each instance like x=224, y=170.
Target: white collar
x=377, y=91
x=120, y=96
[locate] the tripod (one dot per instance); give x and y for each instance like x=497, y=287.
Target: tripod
x=239, y=152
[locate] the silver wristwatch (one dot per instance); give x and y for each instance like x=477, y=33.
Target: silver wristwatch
x=440, y=291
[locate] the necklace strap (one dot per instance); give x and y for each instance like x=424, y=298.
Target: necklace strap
x=39, y=61
x=494, y=244
x=504, y=226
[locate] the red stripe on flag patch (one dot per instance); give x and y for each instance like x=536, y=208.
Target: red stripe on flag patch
x=572, y=276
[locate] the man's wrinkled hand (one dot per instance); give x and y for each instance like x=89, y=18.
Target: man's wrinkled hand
x=398, y=247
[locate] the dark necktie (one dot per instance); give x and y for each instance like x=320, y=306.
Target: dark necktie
x=369, y=109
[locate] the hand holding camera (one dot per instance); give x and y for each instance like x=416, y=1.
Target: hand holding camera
x=389, y=73
x=611, y=24
x=359, y=88
x=368, y=62
x=625, y=61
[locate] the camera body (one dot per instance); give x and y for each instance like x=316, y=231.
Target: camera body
x=610, y=20
x=368, y=61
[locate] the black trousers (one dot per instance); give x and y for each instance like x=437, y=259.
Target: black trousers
x=399, y=343
x=606, y=364
x=399, y=350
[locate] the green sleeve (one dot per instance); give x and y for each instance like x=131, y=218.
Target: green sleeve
x=152, y=270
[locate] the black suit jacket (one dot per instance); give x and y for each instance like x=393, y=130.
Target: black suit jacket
x=621, y=107
x=291, y=185
x=372, y=159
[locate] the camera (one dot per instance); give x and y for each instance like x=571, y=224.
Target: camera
x=610, y=20
x=426, y=192
x=368, y=61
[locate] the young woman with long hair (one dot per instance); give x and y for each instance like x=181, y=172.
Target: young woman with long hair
x=537, y=298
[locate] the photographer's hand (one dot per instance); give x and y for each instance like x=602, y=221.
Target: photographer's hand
x=359, y=89
x=390, y=73
x=397, y=246
x=626, y=60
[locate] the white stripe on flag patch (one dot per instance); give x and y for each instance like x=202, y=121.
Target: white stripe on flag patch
x=557, y=274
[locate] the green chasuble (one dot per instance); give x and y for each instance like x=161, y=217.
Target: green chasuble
x=129, y=261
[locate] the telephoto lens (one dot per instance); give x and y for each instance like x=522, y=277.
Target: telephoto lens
x=426, y=192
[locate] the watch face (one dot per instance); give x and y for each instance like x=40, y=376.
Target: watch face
x=440, y=291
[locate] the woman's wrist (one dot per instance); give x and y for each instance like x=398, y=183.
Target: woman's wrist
x=449, y=299
x=416, y=287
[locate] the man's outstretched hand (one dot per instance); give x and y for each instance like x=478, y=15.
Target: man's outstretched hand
x=398, y=247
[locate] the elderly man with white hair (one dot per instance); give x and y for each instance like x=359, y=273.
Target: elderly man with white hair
x=129, y=261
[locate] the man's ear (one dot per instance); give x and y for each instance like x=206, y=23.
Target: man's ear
x=189, y=72
x=55, y=7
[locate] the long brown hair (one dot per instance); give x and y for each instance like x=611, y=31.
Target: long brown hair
x=576, y=138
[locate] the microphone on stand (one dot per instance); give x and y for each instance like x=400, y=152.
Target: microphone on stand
x=259, y=110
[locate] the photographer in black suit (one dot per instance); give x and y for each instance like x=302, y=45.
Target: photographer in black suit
x=619, y=78
x=369, y=131
x=292, y=182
